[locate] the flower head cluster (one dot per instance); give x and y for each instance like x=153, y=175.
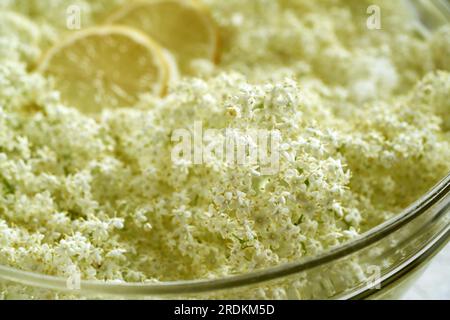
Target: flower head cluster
x=364, y=131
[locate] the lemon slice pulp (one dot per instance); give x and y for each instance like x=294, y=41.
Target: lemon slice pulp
x=106, y=67
x=183, y=27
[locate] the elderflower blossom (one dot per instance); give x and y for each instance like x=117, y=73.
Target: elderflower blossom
x=363, y=119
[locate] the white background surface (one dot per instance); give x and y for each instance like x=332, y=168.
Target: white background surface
x=435, y=281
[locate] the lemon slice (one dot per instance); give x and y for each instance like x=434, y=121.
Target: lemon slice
x=106, y=67
x=183, y=27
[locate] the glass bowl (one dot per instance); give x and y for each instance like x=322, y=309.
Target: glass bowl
x=380, y=264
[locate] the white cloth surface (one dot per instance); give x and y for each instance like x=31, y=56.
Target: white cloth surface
x=434, y=283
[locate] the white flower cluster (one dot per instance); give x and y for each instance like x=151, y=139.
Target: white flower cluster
x=362, y=136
